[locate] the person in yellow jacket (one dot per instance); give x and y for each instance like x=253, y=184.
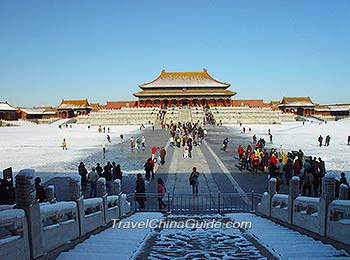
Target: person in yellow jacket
x=64, y=144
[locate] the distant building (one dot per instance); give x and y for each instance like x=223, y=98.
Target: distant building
x=8, y=112
x=249, y=103
x=95, y=107
x=37, y=113
x=184, y=89
x=302, y=106
x=274, y=105
x=73, y=108
x=119, y=104
x=338, y=111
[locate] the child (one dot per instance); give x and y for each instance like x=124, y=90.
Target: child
x=186, y=151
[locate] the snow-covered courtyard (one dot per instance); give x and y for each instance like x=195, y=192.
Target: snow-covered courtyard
x=40, y=146
x=294, y=136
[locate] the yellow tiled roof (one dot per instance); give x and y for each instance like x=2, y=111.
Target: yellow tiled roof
x=288, y=100
x=189, y=92
x=78, y=103
x=184, y=79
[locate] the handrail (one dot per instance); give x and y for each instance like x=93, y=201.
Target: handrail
x=201, y=203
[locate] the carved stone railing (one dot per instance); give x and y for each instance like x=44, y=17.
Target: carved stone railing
x=279, y=207
x=14, y=242
x=59, y=224
x=338, y=221
x=94, y=214
x=306, y=211
x=112, y=210
x=325, y=216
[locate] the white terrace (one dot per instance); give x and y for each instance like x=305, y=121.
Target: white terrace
x=227, y=115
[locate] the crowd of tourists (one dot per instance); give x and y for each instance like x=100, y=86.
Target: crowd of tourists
x=111, y=172
x=186, y=135
x=137, y=143
x=277, y=163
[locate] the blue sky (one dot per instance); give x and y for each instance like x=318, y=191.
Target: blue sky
x=102, y=50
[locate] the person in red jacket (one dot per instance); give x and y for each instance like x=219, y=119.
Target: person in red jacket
x=273, y=159
x=153, y=151
x=297, y=167
x=240, y=152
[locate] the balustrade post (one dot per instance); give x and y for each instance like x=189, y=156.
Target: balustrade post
x=271, y=191
x=343, y=192
x=76, y=195
x=101, y=191
x=101, y=187
x=26, y=200
x=116, y=187
x=327, y=196
x=50, y=194
x=294, y=191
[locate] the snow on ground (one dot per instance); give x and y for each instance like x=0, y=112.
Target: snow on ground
x=114, y=243
x=40, y=146
x=285, y=243
x=294, y=136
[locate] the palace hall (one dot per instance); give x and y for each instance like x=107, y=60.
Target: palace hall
x=184, y=89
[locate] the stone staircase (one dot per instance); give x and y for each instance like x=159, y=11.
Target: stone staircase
x=123, y=116
x=185, y=115
x=247, y=115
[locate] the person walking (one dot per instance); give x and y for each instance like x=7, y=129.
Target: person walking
x=185, y=154
x=240, y=152
x=194, y=180
x=288, y=170
x=224, y=144
x=143, y=140
x=39, y=190
x=327, y=141
x=132, y=143
x=343, y=179
x=153, y=152
x=83, y=174
x=92, y=179
x=107, y=173
x=64, y=144
x=162, y=155
x=104, y=148
x=161, y=193
x=320, y=139
x=116, y=172
x=99, y=170
x=189, y=144
x=254, y=139
x=119, y=173
x=148, y=169
x=137, y=143
x=140, y=192
x=349, y=140
x=158, y=155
